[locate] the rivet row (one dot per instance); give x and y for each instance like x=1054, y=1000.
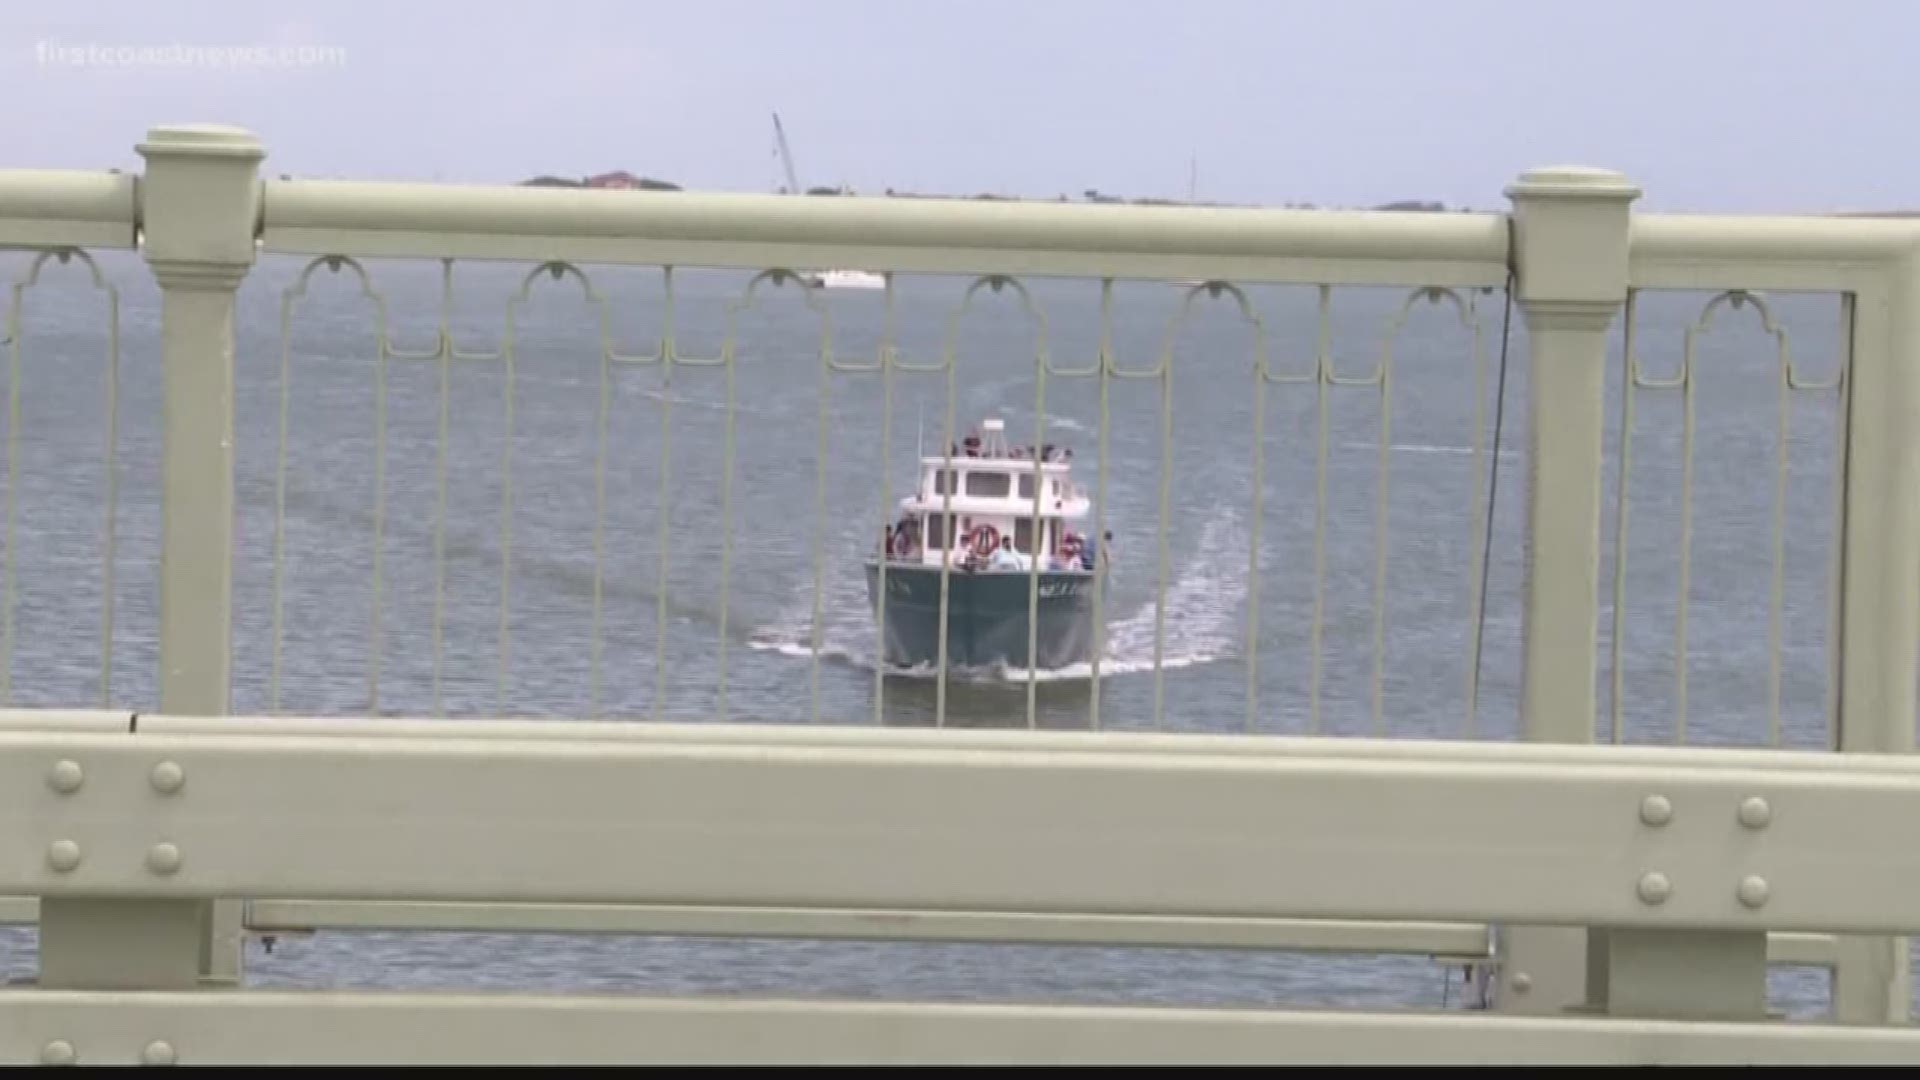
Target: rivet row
x=62, y=1052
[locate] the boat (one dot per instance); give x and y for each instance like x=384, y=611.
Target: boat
x=846, y=279
x=981, y=494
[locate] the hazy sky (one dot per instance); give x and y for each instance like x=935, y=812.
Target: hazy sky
x=1709, y=104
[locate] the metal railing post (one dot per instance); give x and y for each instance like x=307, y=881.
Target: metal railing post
x=1571, y=231
x=200, y=201
x=1880, y=593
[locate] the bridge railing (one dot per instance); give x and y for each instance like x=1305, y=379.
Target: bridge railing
x=1581, y=267
x=1677, y=862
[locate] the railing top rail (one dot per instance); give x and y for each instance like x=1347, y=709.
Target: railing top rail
x=67, y=208
x=1823, y=253
x=752, y=231
x=93, y=209
x=855, y=737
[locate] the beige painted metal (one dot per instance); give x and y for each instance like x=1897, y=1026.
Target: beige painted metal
x=266, y=1028
x=1880, y=588
x=1571, y=241
x=756, y=232
x=850, y=734
x=50, y=208
x=1193, y=835
x=1677, y=974
x=1873, y=261
x=99, y=720
x=1716, y=252
x=199, y=212
x=1801, y=950
x=1440, y=939
x=120, y=944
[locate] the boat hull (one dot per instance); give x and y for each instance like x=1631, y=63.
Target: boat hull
x=987, y=617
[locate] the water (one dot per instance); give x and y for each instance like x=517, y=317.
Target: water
x=797, y=536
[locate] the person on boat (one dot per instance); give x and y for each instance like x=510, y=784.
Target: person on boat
x=1070, y=552
x=1097, y=552
x=1005, y=558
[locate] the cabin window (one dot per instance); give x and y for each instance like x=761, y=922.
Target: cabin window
x=936, y=532
x=943, y=483
x=1026, y=485
x=1023, y=535
x=988, y=485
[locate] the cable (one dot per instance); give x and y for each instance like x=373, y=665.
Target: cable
x=1493, y=488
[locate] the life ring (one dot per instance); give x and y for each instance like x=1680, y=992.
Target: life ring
x=985, y=538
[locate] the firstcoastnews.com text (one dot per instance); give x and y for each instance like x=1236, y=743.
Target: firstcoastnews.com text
x=56, y=54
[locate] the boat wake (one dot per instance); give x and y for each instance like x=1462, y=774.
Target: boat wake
x=1200, y=624
x=1426, y=448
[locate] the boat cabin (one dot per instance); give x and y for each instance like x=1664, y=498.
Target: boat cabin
x=982, y=490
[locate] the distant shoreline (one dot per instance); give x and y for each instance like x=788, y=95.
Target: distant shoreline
x=625, y=181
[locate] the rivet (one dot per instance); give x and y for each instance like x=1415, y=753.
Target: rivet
x=1522, y=982
x=1656, y=810
x=167, y=777
x=1753, y=890
x=65, y=777
x=63, y=855
x=1655, y=888
x=58, y=1052
x=159, y=1052
x=163, y=858
x=1755, y=813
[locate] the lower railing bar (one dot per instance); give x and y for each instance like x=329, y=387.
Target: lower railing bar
x=1446, y=940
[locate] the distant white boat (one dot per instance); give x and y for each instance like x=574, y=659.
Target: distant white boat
x=820, y=279
x=846, y=279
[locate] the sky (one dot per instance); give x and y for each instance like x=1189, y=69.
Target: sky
x=1716, y=105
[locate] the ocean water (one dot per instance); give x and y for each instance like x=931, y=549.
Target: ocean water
x=543, y=523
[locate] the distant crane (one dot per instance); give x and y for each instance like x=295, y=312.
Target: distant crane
x=786, y=156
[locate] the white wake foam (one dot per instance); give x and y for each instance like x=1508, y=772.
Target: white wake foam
x=1425, y=448
x=843, y=606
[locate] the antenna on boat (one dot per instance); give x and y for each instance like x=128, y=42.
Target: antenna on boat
x=920, y=431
